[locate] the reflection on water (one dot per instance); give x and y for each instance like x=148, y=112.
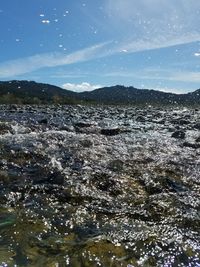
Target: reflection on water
x=74, y=195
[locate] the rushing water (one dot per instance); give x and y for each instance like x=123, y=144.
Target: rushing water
x=91, y=186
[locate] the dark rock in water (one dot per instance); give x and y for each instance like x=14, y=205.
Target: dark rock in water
x=191, y=145
x=140, y=119
x=86, y=231
x=106, y=183
x=82, y=124
x=197, y=126
x=4, y=177
x=161, y=182
x=180, y=121
x=178, y=135
x=198, y=139
x=84, y=127
x=86, y=143
x=49, y=178
x=151, y=189
x=43, y=121
x=184, y=122
x=4, y=128
x=110, y=132
x=56, y=178
x=116, y=165
x=175, y=185
x=77, y=164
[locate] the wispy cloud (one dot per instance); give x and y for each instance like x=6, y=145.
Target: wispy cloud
x=157, y=15
x=69, y=75
x=187, y=76
x=171, y=75
x=85, y=86
x=140, y=26
x=161, y=41
x=154, y=24
x=158, y=74
x=25, y=65
x=171, y=90
x=21, y=66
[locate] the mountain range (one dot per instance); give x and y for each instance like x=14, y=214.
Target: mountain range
x=30, y=92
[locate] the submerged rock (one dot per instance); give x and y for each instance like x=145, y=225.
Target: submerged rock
x=191, y=145
x=116, y=165
x=198, y=139
x=110, y=132
x=43, y=121
x=197, y=126
x=55, y=178
x=5, y=128
x=82, y=124
x=178, y=135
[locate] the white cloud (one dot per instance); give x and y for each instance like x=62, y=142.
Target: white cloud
x=158, y=74
x=80, y=87
x=152, y=24
x=162, y=41
x=20, y=66
x=173, y=14
x=140, y=25
x=170, y=90
x=171, y=75
x=193, y=77
x=25, y=65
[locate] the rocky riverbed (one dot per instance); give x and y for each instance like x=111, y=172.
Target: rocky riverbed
x=99, y=186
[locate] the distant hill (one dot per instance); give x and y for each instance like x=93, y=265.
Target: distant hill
x=32, y=92
x=128, y=95
x=26, y=92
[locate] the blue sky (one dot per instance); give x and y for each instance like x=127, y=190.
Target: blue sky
x=85, y=44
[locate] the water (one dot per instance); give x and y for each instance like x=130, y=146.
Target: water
x=72, y=196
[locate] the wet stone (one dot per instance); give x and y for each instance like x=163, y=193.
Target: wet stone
x=5, y=128
x=198, y=139
x=116, y=165
x=43, y=121
x=184, y=122
x=197, y=126
x=110, y=132
x=178, y=135
x=86, y=143
x=82, y=124
x=140, y=119
x=56, y=178
x=106, y=183
x=191, y=145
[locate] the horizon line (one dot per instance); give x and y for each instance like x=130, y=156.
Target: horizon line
x=164, y=90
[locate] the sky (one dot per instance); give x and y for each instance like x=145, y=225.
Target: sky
x=81, y=45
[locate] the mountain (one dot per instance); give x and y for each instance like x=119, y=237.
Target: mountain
x=32, y=92
x=128, y=95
